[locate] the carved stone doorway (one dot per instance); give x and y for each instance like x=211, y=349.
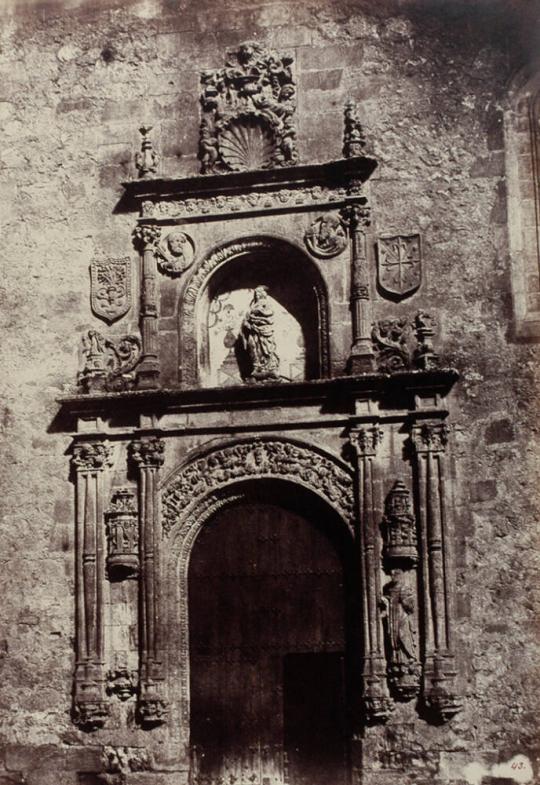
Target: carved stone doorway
x=269, y=644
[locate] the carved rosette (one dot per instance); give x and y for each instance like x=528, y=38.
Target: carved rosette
x=148, y=455
x=122, y=527
x=248, y=112
x=429, y=440
x=375, y=696
x=90, y=708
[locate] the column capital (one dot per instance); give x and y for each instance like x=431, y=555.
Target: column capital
x=147, y=453
x=357, y=215
x=91, y=456
x=146, y=236
x=430, y=437
x=365, y=439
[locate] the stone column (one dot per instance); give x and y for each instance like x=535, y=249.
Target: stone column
x=147, y=455
x=362, y=358
x=145, y=237
x=368, y=495
x=429, y=440
x=90, y=708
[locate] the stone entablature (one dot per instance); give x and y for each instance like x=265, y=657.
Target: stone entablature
x=289, y=188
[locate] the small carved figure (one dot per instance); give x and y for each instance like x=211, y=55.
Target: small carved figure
x=398, y=613
x=175, y=253
x=147, y=159
x=326, y=237
x=257, y=334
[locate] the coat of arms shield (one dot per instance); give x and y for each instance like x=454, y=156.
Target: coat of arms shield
x=399, y=262
x=110, y=288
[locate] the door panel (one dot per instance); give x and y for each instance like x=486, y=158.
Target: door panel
x=267, y=641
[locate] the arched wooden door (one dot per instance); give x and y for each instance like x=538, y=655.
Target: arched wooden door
x=268, y=645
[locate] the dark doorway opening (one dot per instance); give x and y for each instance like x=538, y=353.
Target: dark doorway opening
x=269, y=642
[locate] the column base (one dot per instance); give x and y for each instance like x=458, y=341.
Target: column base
x=361, y=363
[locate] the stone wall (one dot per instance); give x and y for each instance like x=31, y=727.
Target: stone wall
x=431, y=82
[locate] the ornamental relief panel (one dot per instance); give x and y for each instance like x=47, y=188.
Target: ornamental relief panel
x=258, y=458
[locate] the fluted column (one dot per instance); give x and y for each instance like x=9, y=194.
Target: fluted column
x=362, y=358
x=429, y=440
x=147, y=455
x=89, y=461
x=145, y=238
x=376, y=700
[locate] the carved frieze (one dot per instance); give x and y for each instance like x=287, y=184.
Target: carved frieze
x=258, y=458
x=109, y=364
x=147, y=159
x=252, y=201
x=175, y=253
x=399, y=527
x=121, y=524
x=248, y=112
x=110, y=288
x=326, y=237
x=399, y=265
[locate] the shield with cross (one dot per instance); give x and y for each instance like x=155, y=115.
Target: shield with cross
x=399, y=262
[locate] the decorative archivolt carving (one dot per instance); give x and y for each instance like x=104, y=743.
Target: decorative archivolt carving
x=199, y=278
x=248, y=112
x=260, y=458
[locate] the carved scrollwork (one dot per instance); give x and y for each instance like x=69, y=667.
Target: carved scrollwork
x=395, y=347
x=262, y=458
x=109, y=365
x=248, y=112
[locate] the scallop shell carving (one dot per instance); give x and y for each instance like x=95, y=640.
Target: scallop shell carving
x=246, y=144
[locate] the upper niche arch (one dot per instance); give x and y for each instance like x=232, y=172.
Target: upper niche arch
x=295, y=285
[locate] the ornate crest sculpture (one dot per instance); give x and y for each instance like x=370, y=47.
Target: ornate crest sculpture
x=248, y=110
x=326, y=237
x=110, y=288
x=175, y=253
x=399, y=264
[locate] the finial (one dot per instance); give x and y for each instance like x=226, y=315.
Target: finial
x=147, y=159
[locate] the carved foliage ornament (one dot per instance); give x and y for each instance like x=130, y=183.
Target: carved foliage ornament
x=395, y=347
x=260, y=458
x=326, y=237
x=175, y=253
x=399, y=265
x=109, y=364
x=248, y=109
x=110, y=288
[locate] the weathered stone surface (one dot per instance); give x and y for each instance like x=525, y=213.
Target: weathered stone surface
x=431, y=86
